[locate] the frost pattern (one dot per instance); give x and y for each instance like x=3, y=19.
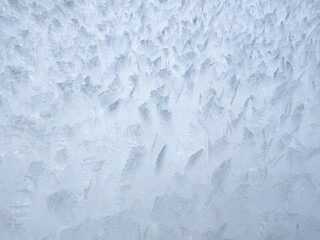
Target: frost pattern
x=159, y=119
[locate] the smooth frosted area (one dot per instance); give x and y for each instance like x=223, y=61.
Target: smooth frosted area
x=159, y=120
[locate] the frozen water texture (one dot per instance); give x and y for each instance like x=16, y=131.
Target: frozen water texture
x=160, y=119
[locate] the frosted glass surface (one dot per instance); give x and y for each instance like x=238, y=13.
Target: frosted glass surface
x=159, y=120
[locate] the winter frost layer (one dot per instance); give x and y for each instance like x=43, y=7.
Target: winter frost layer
x=166, y=120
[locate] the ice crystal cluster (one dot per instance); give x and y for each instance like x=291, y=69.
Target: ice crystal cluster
x=159, y=120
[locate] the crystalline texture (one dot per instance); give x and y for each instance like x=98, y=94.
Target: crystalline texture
x=160, y=119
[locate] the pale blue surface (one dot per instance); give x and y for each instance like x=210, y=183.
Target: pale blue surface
x=169, y=120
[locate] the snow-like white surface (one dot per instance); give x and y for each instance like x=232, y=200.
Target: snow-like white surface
x=159, y=119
